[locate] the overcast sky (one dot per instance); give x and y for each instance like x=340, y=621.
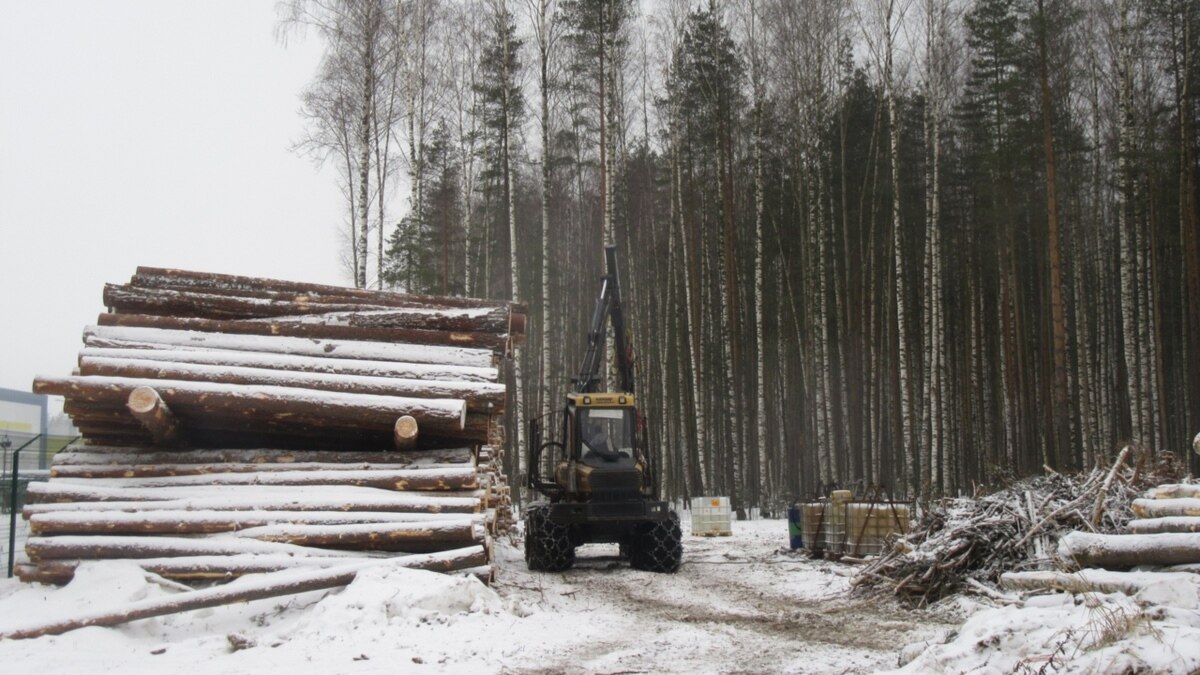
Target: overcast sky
x=147, y=132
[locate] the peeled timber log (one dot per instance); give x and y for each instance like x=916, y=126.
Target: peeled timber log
x=1175, y=491
x=292, y=328
x=200, y=399
x=164, y=470
x=286, y=362
x=1159, y=508
x=480, y=396
x=89, y=454
x=333, y=349
x=222, y=567
x=93, y=547
x=186, y=522
x=148, y=407
x=394, y=537
x=272, y=585
x=1165, y=524
x=404, y=433
x=1084, y=549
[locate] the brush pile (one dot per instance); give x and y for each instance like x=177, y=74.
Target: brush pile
x=970, y=542
x=237, y=425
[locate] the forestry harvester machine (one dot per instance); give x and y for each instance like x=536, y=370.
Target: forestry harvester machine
x=599, y=481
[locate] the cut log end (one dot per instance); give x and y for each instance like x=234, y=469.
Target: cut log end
x=148, y=407
x=405, y=433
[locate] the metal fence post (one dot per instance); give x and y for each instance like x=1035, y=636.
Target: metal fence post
x=12, y=506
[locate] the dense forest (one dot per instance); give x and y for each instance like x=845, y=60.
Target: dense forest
x=922, y=244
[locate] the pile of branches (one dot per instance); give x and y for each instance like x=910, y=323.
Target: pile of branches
x=968, y=542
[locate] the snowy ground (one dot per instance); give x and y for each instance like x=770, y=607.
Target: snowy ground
x=739, y=604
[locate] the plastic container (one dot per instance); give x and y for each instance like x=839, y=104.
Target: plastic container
x=711, y=517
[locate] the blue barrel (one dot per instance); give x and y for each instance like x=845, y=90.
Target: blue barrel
x=794, y=531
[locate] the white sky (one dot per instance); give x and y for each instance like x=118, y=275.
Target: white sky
x=147, y=132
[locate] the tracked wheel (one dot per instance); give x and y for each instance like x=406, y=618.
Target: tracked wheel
x=657, y=547
x=547, y=544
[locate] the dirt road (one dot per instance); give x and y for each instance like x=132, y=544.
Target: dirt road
x=739, y=604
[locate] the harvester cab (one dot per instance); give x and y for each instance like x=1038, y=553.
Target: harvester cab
x=599, y=482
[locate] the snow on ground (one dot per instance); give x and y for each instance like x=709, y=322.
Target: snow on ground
x=739, y=604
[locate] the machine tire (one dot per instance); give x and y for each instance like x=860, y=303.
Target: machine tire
x=657, y=547
x=547, y=544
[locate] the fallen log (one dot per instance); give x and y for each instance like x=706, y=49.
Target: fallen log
x=195, y=401
x=1083, y=549
x=218, y=567
x=1159, y=508
x=185, y=522
x=296, y=364
x=1093, y=581
x=332, y=349
x=97, y=455
x=401, y=481
x=148, y=407
x=250, y=497
x=480, y=396
x=291, y=328
x=392, y=537
x=1098, y=509
x=271, y=585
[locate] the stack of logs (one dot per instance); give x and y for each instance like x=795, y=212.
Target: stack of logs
x=237, y=425
x=1166, y=533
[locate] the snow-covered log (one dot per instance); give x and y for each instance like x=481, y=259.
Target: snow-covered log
x=1165, y=524
x=1174, y=491
x=402, y=481
x=159, y=470
x=480, y=396
x=1093, y=580
x=166, y=301
x=95, y=455
x=395, y=537
x=470, y=560
x=331, y=349
x=1163, y=507
x=191, y=401
x=297, y=364
x=92, y=547
x=271, y=585
x=1083, y=549
x=292, y=328
x=257, y=496
x=188, y=522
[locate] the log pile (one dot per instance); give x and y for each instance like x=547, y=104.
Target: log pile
x=1165, y=533
x=236, y=425
x=971, y=542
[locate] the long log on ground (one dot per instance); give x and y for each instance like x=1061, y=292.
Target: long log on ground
x=163, y=470
x=480, y=396
x=401, y=481
x=1159, y=508
x=180, y=522
x=192, y=401
x=322, y=498
x=158, y=277
x=392, y=537
x=123, y=349
x=1175, y=491
x=1093, y=580
x=332, y=349
x=292, y=328
x=148, y=407
x=94, y=547
x=1165, y=524
x=87, y=454
x=1085, y=549
x=271, y=585
x=221, y=567
x=480, y=319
